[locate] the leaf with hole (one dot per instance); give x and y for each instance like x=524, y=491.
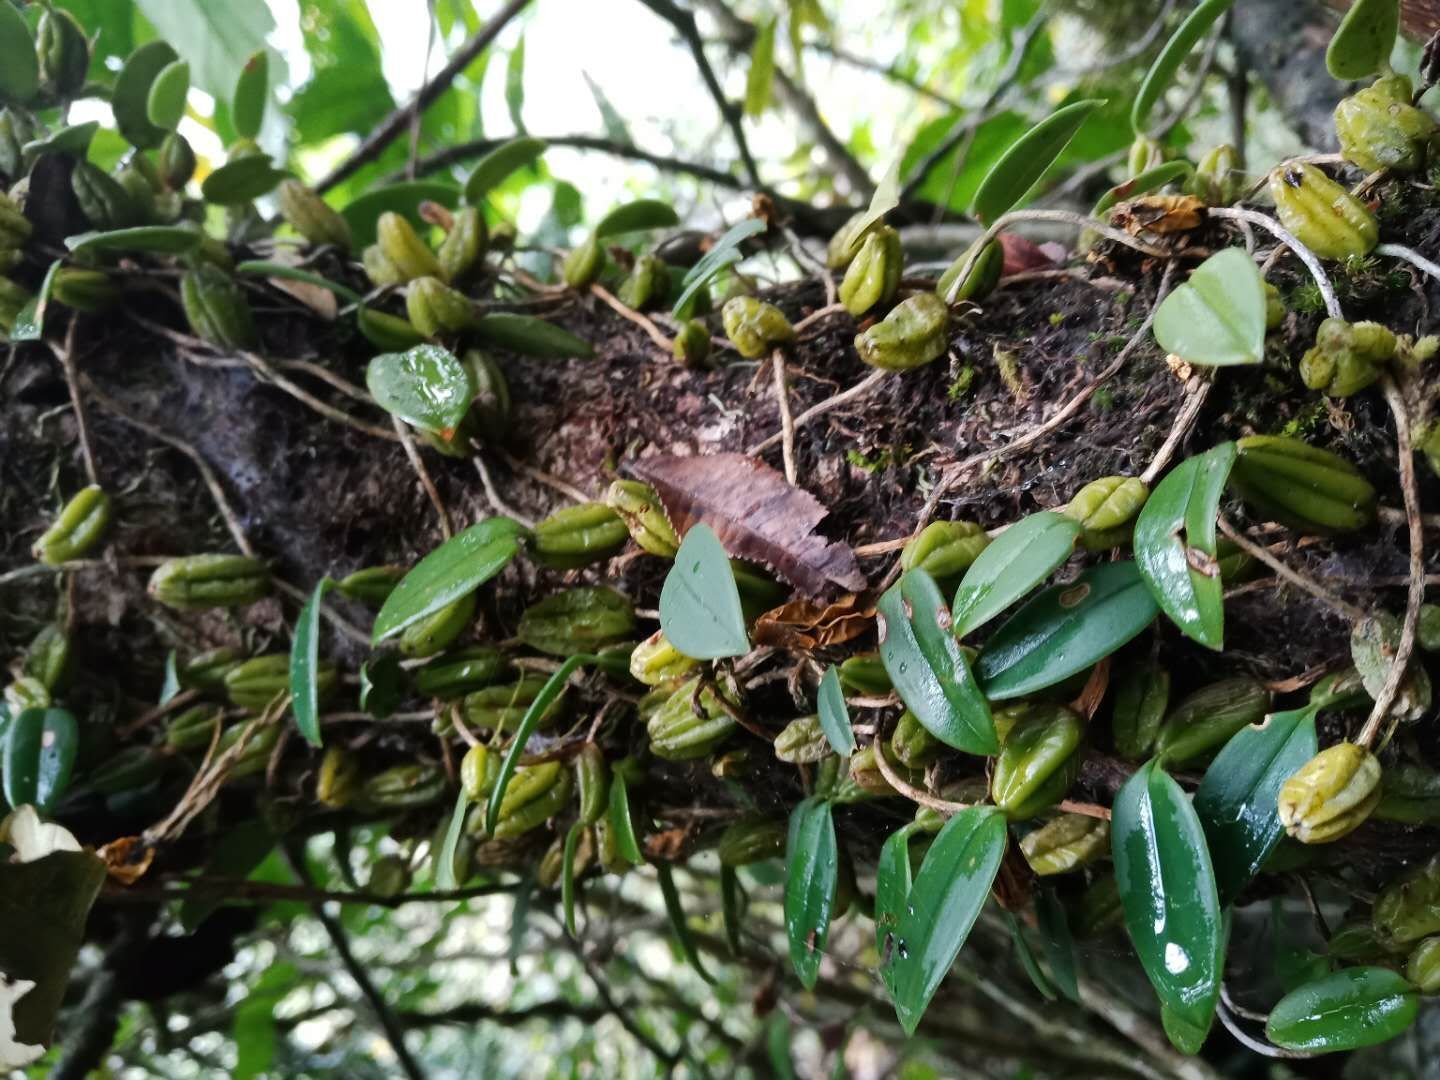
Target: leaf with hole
x=304, y=666
x=1345, y=1010
x=700, y=608
x=1175, y=544
x=425, y=386
x=1025, y=162
x=241, y=180
x=834, y=716
x=1363, y=42
x=1064, y=630
x=1014, y=563
x=247, y=103
x=1238, y=799
x=456, y=568
x=726, y=252
x=1217, y=318
x=499, y=163
x=637, y=216
x=812, y=867
x=530, y=336
x=893, y=879
x=1162, y=72
x=952, y=886
x=1167, y=890
x=165, y=105
x=130, y=100
x=19, y=66
x=40, y=748
x=156, y=239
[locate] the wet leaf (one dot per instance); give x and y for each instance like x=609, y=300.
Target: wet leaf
x=1167, y=889
x=530, y=336
x=1362, y=44
x=700, y=603
x=928, y=668
x=445, y=860
x=294, y=273
x=1027, y=159
x=457, y=567
x=1237, y=801
x=404, y=198
x=499, y=163
x=834, y=716
x=621, y=822
x=1182, y=573
x=636, y=216
x=1162, y=72
x=241, y=180
x=29, y=322
x=40, y=748
x=304, y=666
x=676, y=914
x=247, y=104
x=757, y=516
x=949, y=891
x=425, y=386
x=726, y=252
x=130, y=100
x=1348, y=1009
x=1217, y=318
x=1010, y=566
x=19, y=66
x=160, y=239
x=893, y=878
x=812, y=863
x=165, y=105
x=1064, y=630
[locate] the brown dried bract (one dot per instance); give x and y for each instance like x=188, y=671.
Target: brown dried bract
x=1157, y=216
x=127, y=859
x=802, y=624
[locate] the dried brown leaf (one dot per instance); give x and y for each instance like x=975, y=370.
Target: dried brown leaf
x=802, y=624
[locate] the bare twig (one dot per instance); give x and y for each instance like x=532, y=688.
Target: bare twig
x=267, y=373
x=1266, y=222
x=787, y=422
x=1414, y=258
x=540, y=476
x=418, y=464
x=66, y=355
x=499, y=505
x=1195, y=394
x=1294, y=577
x=627, y=312
x=863, y=387
x=891, y=72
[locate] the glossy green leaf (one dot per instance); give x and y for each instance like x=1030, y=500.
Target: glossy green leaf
x=241, y=180
x=530, y=336
x=834, y=716
x=19, y=66
x=499, y=163
x=1027, y=159
x=812, y=864
x=1162, y=72
x=1238, y=799
x=567, y=875
x=1362, y=44
x=171, y=685
x=1059, y=944
x=445, y=860
x=637, y=216
x=1167, y=889
x=700, y=603
x=676, y=914
x=760, y=77
x=732, y=899
x=294, y=273
x=247, y=104
x=29, y=322
x=240, y=850
x=1028, y=962
x=304, y=666
x=621, y=822
x=1064, y=630
x=952, y=886
x=165, y=105
x=552, y=689
x=1175, y=544
x=404, y=198
x=1348, y=1009
x=130, y=99
x=1014, y=563
x=1217, y=318
x=425, y=386
x=726, y=252
x=893, y=878
x=382, y=685
x=159, y=239
x=40, y=748
x=928, y=668
x=457, y=567
x=1149, y=180
x=74, y=139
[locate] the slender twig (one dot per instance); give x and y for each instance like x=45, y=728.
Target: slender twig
x=627, y=312
x=540, y=476
x=499, y=505
x=1294, y=577
x=1196, y=393
x=623, y=1013
x=393, y=125
x=890, y=72
x=414, y=122
x=1414, y=258
x=235, y=889
x=860, y=389
x=1322, y=280
x=787, y=422
x=815, y=316
x=1265, y=1048
x=66, y=355
x=267, y=373
x=1072, y=74
x=418, y=464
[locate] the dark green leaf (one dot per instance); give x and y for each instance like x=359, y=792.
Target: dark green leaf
x=1162, y=71
x=892, y=888
x=1217, y=318
x=403, y=198
x=1059, y=945
x=1182, y=573
x=1064, y=630
x=834, y=716
x=530, y=336
x=1019, y=559
x=732, y=899
x=130, y=99
x=621, y=823
x=515, y=85
x=700, y=603
x=500, y=163
x=457, y=567
x=304, y=665
x=1018, y=169
x=676, y=914
x=636, y=216
x=241, y=180
x=252, y=87
x=240, y=850
x=952, y=886
x=160, y=239
x=40, y=747
x=928, y=668
x=519, y=921
x=74, y=139
x=165, y=105
x=425, y=386
x=567, y=875
x=1362, y=44
x=215, y=38
x=445, y=860
x=761, y=75
x=19, y=66
x=726, y=252
x=1348, y=1009
x=1026, y=955
x=382, y=685
x=1167, y=888
x=1238, y=798
x=812, y=863
x=29, y=322
x=292, y=273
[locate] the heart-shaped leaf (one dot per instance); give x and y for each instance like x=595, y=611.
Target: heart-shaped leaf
x=676, y=913
x=160, y=239
x=425, y=386
x=812, y=868
x=530, y=336
x=1064, y=630
x=362, y=212
x=726, y=252
x=893, y=878
x=165, y=105
x=1018, y=169
x=928, y=668
x=247, y=104
x=1014, y=563
x=636, y=216
x=621, y=823
x=1181, y=570
x=1238, y=799
x=1217, y=318
x=19, y=66
x=445, y=860
x=1167, y=889
x=953, y=883
x=241, y=180
x=500, y=163
x=1345, y=1010
x=1363, y=42
x=700, y=603
x=74, y=139
x=40, y=747
x=457, y=567
x=1162, y=71
x=304, y=665
x=130, y=100
x=834, y=716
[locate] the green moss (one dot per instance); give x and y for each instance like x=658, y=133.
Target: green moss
x=961, y=386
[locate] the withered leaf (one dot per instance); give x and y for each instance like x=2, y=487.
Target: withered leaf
x=802, y=624
x=756, y=515
x=1155, y=216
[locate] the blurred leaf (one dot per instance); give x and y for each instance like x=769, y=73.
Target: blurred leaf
x=761, y=75
x=1162, y=72
x=166, y=103
x=304, y=666
x=1348, y=1009
x=732, y=898
x=1026, y=955
x=1362, y=44
x=615, y=127
x=238, y=852
x=162, y=239
x=700, y=609
x=445, y=858
x=19, y=67
x=1017, y=170
x=74, y=139
x=834, y=716
x=40, y=749
x=291, y=273
x=567, y=875
x=130, y=99
x=382, y=685
x=111, y=22
x=29, y=322
x=215, y=38
x=348, y=91
x=499, y=163
x=1054, y=925
x=991, y=139
x=252, y=89
x=405, y=198
x=171, y=685
x=529, y=336
x=726, y=252
x=1217, y=317
x=425, y=386
x=1147, y=181
x=241, y=180
x=641, y=214
x=812, y=863
x=515, y=85
x=676, y=913
x=621, y=821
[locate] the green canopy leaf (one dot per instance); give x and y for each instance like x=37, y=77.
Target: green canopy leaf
x=1021, y=166
x=19, y=66
x=1014, y=563
x=1217, y=318
x=761, y=75
x=812, y=868
x=1345, y=1010
x=700, y=608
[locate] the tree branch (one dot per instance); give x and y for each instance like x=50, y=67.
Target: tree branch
x=265, y=891
x=395, y=124
x=894, y=74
